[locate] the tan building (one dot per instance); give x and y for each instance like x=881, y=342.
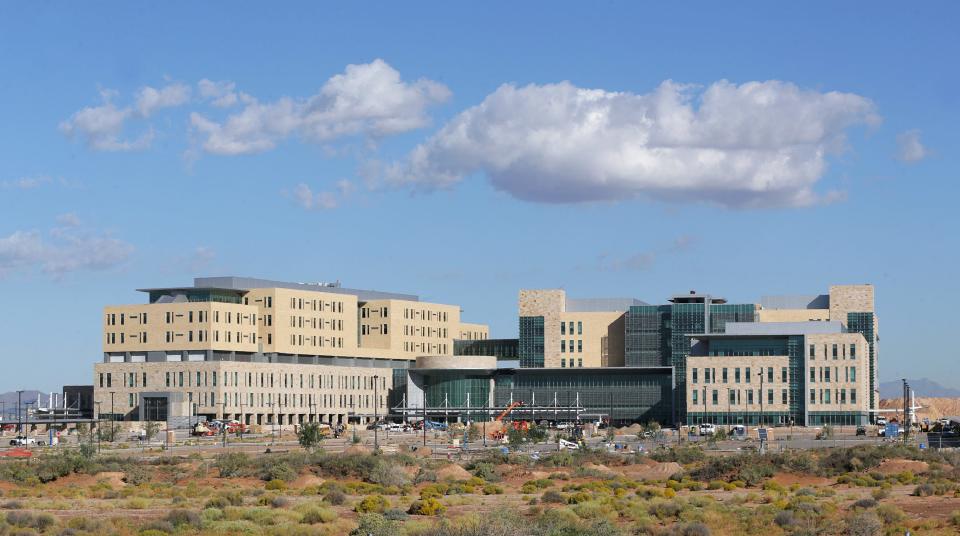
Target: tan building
x=569, y=333
x=241, y=327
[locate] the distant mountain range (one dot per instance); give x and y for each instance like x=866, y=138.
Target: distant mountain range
x=923, y=388
x=8, y=402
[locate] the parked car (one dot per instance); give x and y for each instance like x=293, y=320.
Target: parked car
x=861, y=430
x=564, y=444
x=708, y=429
x=22, y=441
x=881, y=421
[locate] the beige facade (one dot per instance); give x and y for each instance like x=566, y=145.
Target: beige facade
x=733, y=384
x=575, y=338
x=410, y=328
x=470, y=331
x=837, y=369
x=793, y=315
x=254, y=393
x=180, y=326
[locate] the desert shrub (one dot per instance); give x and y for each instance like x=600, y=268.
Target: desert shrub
x=277, y=470
x=492, y=489
x=136, y=475
x=425, y=475
x=879, y=494
x=183, y=518
x=784, y=519
x=681, y=455
x=955, y=518
x=275, y=485
x=137, y=503
x=691, y=529
x=157, y=528
x=346, y=465
x=434, y=490
x=316, y=515
x=395, y=514
x=924, y=490
x=579, y=497
x=12, y=505
x=864, y=524
x=890, y=514
x=279, y=502
x=388, y=474
x=553, y=496
x=40, y=522
x=427, y=507
x=217, y=502
x=864, y=504
x=665, y=509
x=372, y=504
x=484, y=470
x=336, y=497
x=232, y=464
x=375, y=525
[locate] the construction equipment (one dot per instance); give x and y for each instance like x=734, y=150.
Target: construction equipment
x=507, y=411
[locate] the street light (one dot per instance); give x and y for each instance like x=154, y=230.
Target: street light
x=99, y=429
x=761, y=396
x=113, y=419
x=376, y=415
x=19, y=420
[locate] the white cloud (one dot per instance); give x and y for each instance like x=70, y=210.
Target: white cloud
x=757, y=144
x=221, y=94
x=366, y=100
x=306, y=198
x=101, y=127
x=25, y=183
x=150, y=99
x=909, y=147
x=60, y=251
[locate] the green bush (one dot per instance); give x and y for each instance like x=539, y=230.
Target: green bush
x=553, y=496
x=372, y=504
x=183, y=518
x=427, y=507
x=388, y=474
x=232, y=464
x=336, y=497
x=275, y=485
x=375, y=525
x=316, y=515
x=492, y=489
x=890, y=514
x=864, y=524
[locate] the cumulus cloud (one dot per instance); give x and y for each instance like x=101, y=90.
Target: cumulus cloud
x=69, y=220
x=61, y=250
x=150, y=99
x=306, y=198
x=365, y=100
x=757, y=144
x=101, y=127
x=909, y=147
x=221, y=94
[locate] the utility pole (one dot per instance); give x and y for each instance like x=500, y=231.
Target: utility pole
x=98, y=426
x=761, y=397
x=243, y=419
x=376, y=414
x=113, y=419
x=424, y=417
x=224, y=425
x=19, y=420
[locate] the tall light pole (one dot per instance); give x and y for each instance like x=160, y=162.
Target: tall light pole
x=761, y=396
x=376, y=414
x=99, y=429
x=113, y=419
x=19, y=420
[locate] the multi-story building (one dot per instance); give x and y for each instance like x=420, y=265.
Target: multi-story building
x=778, y=373
x=266, y=351
x=557, y=332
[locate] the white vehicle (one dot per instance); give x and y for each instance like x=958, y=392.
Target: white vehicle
x=708, y=429
x=22, y=441
x=881, y=421
x=564, y=444
x=395, y=427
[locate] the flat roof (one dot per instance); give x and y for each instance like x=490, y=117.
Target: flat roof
x=248, y=283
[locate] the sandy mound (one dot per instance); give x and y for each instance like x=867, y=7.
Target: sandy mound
x=789, y=479
x=453, y=472
x=357, y=449
x=600, y=468
x=650, y=471
x=631, y=430
x=115, y=479
x=889, y=467
x=423, y=452
x=307, y=480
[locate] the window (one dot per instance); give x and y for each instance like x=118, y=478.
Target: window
x=853, y=396
x=694, y=376
x=783, y=396
x=571, y=327
x=731, y=396
x=770, y=374
x=826, y=396
x=579, y=328
x=168, y=379
x=563, y=362
x=813, y=375
x=747, y=375
x=812, y=352
x=826, y=375
x=580, y=362
x=853, y=351
x=130, y=400
x=769, y=396
x=144, y=379
x=724, y=374
x=579, y=346
x=749, y=396
x=783, y=374
x=563, y=328
x=694, y=392
x=706, y=375
x=853, y=374
x=813, y=396
x=714, y=397
x=736, y=375
x=563, y=345
x=843, y=396
x=834, y=351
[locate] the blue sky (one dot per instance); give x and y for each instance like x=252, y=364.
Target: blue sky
x=470, y=152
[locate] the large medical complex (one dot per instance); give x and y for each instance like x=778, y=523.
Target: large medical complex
x=277, y=353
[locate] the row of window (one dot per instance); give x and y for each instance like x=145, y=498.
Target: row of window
x=738, y=397
x=367, y=329
x=710, y=375
x=563, y=362
x=365, y=312
x=335, y=324
x=234, y=379
x=823, y=396
x=563, y=327
x=313, y=305
x=425, y=347
x=313, y=340
x=563, y=346
x=424, y=331
x=850, y=374
x=838, y=351
x=424, y=314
